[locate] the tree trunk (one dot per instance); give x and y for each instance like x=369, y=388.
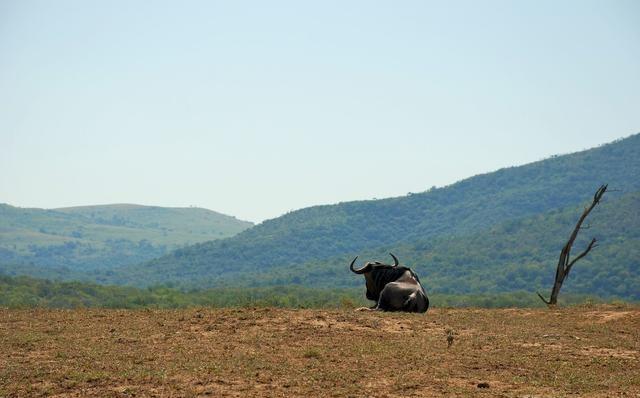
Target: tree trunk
x=564, y=265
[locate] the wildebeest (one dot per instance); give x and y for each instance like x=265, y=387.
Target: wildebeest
x=393, y=287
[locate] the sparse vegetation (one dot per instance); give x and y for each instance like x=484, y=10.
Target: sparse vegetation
x=587, y=351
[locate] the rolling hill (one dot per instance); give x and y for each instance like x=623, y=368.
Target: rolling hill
x=491, y=233
x=279, y=250
x=85, y=238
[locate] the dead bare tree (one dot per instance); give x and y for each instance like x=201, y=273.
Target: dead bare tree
x=564, y=262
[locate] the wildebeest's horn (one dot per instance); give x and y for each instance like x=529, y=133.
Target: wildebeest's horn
x=361, y=270
x=395, y=260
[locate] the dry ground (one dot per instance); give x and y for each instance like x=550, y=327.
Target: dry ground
x=578, y=351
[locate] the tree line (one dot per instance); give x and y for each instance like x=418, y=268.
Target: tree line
x=27, y=292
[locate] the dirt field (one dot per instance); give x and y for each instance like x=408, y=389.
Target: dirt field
x=579, y=351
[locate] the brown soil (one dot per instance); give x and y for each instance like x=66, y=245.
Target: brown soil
x=578, y=351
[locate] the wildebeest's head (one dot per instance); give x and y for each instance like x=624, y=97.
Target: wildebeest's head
x=377, y=275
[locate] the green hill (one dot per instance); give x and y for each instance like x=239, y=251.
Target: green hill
x=276, y=250
x=100, y=237
x=516, y=255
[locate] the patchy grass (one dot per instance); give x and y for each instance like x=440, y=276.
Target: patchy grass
x=581, y=351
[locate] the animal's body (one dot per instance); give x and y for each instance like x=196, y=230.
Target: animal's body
x=393, y=287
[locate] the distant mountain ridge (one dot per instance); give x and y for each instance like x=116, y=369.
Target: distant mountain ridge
x=100, y=237
x=470, y=206
x=194, y=219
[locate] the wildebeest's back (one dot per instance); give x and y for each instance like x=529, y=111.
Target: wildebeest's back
x=382, y=276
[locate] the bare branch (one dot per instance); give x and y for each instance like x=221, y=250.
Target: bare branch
x=584, y=253
x=564, y=261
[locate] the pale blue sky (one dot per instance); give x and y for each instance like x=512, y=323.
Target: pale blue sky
x=257, y=108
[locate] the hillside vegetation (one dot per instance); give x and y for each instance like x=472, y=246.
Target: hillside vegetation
x=466, y=236
x=100, y=237
x=517, y=255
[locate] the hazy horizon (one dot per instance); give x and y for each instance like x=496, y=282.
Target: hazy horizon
x=253, y=110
